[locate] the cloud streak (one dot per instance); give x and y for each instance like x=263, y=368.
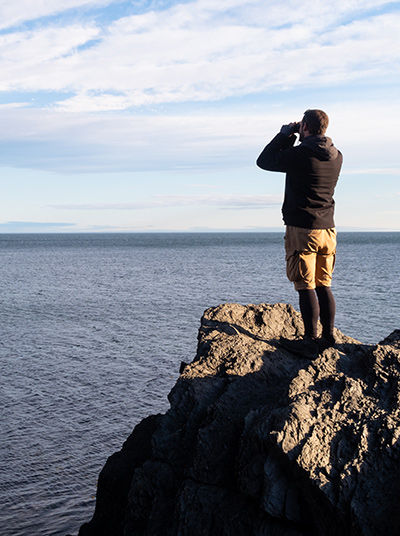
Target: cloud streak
x=237, y=202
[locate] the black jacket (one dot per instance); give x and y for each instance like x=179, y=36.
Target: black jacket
x=312, y=171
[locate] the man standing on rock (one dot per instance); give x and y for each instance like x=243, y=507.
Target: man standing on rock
x=312, y=170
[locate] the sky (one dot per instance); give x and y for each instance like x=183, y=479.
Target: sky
x=149, y=115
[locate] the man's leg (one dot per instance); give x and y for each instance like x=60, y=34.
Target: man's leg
x=301, y=253
x=310, y=311
x=323, y=278
x=309, y=308
x=327, y=308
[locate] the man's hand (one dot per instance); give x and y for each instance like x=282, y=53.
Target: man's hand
x=289, y=129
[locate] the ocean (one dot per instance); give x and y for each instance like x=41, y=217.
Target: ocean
x=93, y=330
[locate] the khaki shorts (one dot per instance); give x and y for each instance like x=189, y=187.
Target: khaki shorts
x=310, y=256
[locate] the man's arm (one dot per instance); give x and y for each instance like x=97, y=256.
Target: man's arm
x=276, y=156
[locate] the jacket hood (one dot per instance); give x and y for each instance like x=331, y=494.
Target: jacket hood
x=322, y=147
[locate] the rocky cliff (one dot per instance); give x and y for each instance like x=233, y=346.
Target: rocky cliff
x=259, y=441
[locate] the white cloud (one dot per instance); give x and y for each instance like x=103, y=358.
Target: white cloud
x=62, y=141
x=202, y=50
x=30, y=59
x=54, y=140
x=169, y=61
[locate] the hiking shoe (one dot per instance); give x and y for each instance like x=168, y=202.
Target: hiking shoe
x=306, y=347
x=327, y=341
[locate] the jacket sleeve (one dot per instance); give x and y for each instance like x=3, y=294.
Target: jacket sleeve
x=277, y=155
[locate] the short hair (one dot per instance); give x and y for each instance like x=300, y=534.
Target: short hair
x=317, y=121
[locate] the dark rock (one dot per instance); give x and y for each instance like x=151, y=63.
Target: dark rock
x=260, y=441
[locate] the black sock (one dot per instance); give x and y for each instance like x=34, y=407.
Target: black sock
x=309, y=308
x=327, y=307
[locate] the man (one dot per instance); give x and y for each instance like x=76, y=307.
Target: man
x=312, y=170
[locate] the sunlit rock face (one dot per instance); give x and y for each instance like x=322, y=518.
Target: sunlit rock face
x=260, y=441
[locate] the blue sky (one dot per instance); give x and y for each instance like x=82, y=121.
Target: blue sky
x=149, y=115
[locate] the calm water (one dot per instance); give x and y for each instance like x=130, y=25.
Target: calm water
x=94, y=327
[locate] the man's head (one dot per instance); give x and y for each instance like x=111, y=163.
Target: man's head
x=314, y=123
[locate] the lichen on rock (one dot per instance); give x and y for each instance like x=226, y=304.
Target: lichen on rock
x=260, y=441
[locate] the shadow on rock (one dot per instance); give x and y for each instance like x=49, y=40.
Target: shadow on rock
x=259, y=441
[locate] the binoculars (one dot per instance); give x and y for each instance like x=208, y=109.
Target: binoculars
x=296, y=127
